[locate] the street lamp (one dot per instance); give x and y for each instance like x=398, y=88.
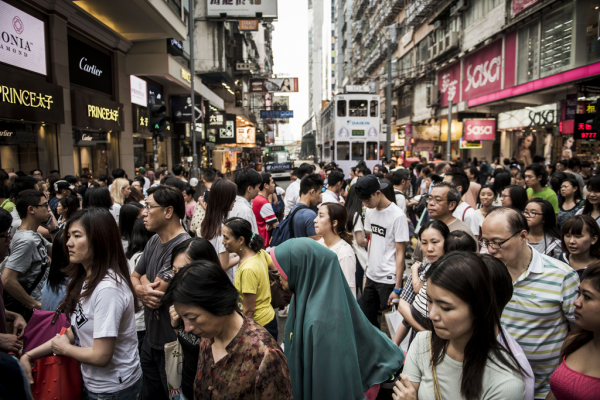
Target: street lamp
x=389, y=33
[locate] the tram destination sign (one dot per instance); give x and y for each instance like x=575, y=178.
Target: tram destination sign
x=265, y=114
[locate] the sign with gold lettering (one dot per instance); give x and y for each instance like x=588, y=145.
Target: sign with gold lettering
x=186, y=75
x=95, y=112
x=30, y=99
x=140, y=119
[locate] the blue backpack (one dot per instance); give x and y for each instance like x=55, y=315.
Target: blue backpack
x=285, y=229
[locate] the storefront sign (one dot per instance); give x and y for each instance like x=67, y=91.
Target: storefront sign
x=246, y=135
x=30, y=99
x=6, y=133
x=140, y=119
x=242, y=9
x=427, y=131
x=520, y=5
x=228, y=132
x=89, y=67
x=186, y=75
x=139, y=91
x=23, y=41
x=248, y=25
x=470, y=144
x=274, y=85
x=583, y=129
x=448, y=80
x=457, y=130
x=482, y=71
x=266, y=114
x=181, y=108
x=216, y=119
x=175, y=47
x=95, y=112
x=528, y=117
x=480, y=129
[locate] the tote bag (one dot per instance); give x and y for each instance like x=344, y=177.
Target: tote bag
x=173, y=367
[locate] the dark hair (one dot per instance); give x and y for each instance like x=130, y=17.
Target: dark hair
x=399, y=176
x=22, y=183
x=304, y=170
x=139, y=238
x=71, y=204
x=518, y=197
x=538, y=159
x=222, y=195
x=426, y=171
x=575, y=225
x=580, y=337
x=245, y=178
x=161, y=171
x=203, y=284
x=465, y=275
x=190, y=191
x=178, y=169
x=175, y=183
x=459, y=178
x=552, y=167
x=363, y=169
x=71, y=179
x=490, y=187
x=548, y=217
x=168, y=196
x=99, y=198
x=593, y=185
x=334, y=178
x=27, y=198
x=439, y=167
x=310, y=182
x=573, y=162
x=60, y=260
x=294, y=172
x=33, y=171
x=5, y=220
x=102, y=178
x=501, y=181
x=338, y=213
x=453, y=195
x=241, y=228
x=515, y=219
x=438, y=226
x=52, y=179
x=140, y=179
x=135, y=195
x=266, y=180
x=196, y=249
x=577, y=195
x=118, y=173
x=353, y=209
x=105, y=244
x=538, y=171
x=129, y=213
x=379, y=175
x=557, y=179
x=209, y=174
x=501, y=280
x=460, y=241
x=388, y=191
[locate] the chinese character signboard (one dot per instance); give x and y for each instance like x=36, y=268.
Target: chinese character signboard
x=483, y=71
x=448, y=81
x=583, y=128
x=216, y=119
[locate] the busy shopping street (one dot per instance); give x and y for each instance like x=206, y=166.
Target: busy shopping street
x=308, y=199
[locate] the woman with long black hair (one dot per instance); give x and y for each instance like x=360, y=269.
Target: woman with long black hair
x=100, y=301
x=544, y=235
x=461, y=357
x=501, y=181
x=592, y=201
x=580, y=243
x=55, y=289
x=570, y=200
x=514, y=196
x=130, y=213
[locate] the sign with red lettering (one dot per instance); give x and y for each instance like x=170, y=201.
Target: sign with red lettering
x=448, y=81
x=583, y=127
x=483, y=71
x=480, y=129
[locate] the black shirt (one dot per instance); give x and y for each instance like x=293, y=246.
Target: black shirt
x=190, y=347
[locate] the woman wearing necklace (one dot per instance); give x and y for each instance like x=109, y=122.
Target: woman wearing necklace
x=592, y=202
x=580, y=243
x=485, y=202
x=570, y=200
x=543, y=233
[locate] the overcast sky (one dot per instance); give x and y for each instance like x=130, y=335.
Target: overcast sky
x=290, y=52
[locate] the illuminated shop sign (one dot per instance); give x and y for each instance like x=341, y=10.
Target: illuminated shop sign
x=103, y=113
x=95, y=112
x=89, y=67
x=25, y=97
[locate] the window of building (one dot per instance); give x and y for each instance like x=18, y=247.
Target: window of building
x=406, y=63
x=343, y=151
x=423, y=49
x=528, y=53
x=358, y=151
x=478, y=9
x=358, y=108
x=374, y=107
x=593, y=47
x=556, y=41
x=371, y=151
x=341, y=108
x=26, y=146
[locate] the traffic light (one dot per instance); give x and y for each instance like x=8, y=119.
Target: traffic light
x=158, y=120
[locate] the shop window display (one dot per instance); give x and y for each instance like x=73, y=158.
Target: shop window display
x=28, y=146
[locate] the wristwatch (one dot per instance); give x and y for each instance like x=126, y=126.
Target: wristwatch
x=397, y=291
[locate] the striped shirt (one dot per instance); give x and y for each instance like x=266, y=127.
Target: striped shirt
x=537, y=315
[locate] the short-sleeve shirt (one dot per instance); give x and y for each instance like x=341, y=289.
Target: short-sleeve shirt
x=304, y=222
x=109, y=311
x=347, y=260
x=263, y=211
x=456, y=225
x=546, y=194
x=243, y=209
x=467, y=214
x=156, y=263
x=387, y=227
x=28, y=254
x=537, y=316
x=252, y=277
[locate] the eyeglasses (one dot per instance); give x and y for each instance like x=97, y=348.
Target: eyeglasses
x=435, y=201
x=6, y=237
x=493, y=245
x=148, y=208
x=42, y=205
x=531, y=214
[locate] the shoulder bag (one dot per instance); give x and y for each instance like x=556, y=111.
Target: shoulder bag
x=436, y=386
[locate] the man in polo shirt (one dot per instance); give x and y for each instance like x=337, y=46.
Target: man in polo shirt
x=544, y=291
x=536, y=178
x=248, y=183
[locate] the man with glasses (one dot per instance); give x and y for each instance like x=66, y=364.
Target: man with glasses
x=442, y=202
x=164, y=209
x=536, y=178
x=544, y=291
x=28, y=265
x=37, y=174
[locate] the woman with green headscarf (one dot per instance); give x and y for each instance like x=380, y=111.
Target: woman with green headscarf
x=333, y=351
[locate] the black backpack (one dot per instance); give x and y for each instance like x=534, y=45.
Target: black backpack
x=285, y=229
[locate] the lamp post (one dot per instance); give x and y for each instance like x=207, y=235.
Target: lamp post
x=192, y=22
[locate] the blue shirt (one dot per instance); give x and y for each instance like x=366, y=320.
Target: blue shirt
x=304, y=222
x=50, y=299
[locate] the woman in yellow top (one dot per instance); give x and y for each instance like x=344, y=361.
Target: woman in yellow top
x=252, y=276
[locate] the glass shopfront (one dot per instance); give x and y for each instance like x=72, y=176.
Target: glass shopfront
x=95, y=152
x=143, y=152
x=25, y=146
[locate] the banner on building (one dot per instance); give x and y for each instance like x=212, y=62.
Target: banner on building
x=246, y=135
x=281, y=103
x=528, y=117
x=241, y=8
x=181, y=108
x=448, y=81
x=520, y=5
x=480, y=129
x=274, y=85
x=482, y=73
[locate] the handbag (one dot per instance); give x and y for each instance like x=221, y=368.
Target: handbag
x=393, y=320
x=57, y=377
x=197, y=218
x=174, y=368
x=43, y=326
x=279, y=296
x=436, y=386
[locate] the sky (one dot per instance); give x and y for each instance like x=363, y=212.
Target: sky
x=290, y=53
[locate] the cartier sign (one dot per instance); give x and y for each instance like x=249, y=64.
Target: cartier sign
x=89, y=67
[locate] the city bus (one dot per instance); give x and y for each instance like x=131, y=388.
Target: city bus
x=350, y=131
x=277, y=162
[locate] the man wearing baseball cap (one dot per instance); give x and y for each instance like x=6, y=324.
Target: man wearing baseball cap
x=62, y=189
x=389, y=233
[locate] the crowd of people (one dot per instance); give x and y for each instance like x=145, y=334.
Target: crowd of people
x=436, y=280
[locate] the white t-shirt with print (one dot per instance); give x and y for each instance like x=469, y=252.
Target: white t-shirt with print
x=387, y=227
x=470, y=216
x=109, y=312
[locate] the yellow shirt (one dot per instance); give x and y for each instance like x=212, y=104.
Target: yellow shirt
x=252, y=277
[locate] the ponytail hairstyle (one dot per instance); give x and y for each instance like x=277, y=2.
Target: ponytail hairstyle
x=338, y=213
x=242, y=228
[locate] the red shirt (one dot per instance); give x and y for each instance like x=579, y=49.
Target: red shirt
x=263, y=211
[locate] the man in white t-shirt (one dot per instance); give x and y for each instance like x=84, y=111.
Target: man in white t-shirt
x=389, y=234
x=248, y=183
x=401, y=182
x=463, y=210
x=292, y=193
x=335, y=182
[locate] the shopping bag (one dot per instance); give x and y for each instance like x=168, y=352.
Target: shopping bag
x=43, y=326
x=56, y=377
x=174, y=367
x=393, y=320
